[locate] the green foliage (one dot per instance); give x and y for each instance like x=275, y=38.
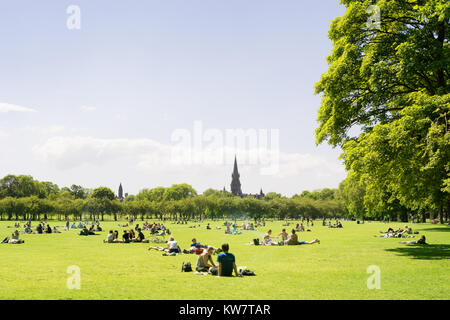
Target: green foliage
x=393, y=83
x=103, y=193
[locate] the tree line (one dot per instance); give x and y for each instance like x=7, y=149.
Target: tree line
x=24, y=198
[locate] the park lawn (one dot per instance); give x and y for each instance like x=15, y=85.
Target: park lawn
x=334, y=269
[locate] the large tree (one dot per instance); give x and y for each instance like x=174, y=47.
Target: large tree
x=391, y=80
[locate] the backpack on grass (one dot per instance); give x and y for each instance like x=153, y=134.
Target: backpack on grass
x=247, y=272
x=186, y=267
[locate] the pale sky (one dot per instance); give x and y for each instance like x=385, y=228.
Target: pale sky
x=101, y=105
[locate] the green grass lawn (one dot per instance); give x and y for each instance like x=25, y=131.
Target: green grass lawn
x=334, y=269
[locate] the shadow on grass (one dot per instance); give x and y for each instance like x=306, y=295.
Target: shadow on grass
x=441, y=229
x=424, y=252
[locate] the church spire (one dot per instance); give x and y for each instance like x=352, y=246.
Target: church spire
x=120, y=191
x=235, y=182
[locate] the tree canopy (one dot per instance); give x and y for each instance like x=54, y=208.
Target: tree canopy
x=391, y=82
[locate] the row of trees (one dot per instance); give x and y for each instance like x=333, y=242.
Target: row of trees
x=22, y=198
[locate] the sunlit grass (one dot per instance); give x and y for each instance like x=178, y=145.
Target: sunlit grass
x=334, y=269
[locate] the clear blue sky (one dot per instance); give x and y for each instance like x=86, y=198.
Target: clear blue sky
x=103, y=96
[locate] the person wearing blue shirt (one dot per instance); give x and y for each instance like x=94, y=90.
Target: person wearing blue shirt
x=197, y=245
x=227, y=262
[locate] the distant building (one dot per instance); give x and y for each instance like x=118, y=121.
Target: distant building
x=236, y=184
x=120, y=196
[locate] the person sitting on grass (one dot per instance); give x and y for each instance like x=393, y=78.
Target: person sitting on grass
x=284, y=235
x=172, y=247
x=84, y=232
x=126, y=237
x=28, y=229
x=55, y=230
x=39, y=228
x=422, y=240
x=48, y=229
x=203, y=260
x=228, y=231
x=197, y=245
x=14, y=238
x=235, y=230
x=267, y=240
x=227, y=263
x=110, y=237
x=140, y=237
x=293, y=240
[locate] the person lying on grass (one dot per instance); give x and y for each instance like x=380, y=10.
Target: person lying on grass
x=293, y=240
x=172, y=247
x=422, y=240
x=205, y=262
x=198, y=248
x=14, y=238
x=393, y=234
x=227, y=263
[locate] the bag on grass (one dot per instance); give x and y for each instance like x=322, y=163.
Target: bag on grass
x=186, y=267
x=247, y=272
x=214, y=271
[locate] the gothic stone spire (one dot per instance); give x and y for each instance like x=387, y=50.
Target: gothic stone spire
x=235, y=183
x=120, y=191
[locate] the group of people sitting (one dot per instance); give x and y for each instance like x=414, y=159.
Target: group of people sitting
x=158, y=229
x=91, y=231
x=173, y=248
x=283, y=238
x=248, y=226
x=40, y=228
x=337, y=224
x=226, y=262
x=81, y=225
x=127, y=236
x=233, y=230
